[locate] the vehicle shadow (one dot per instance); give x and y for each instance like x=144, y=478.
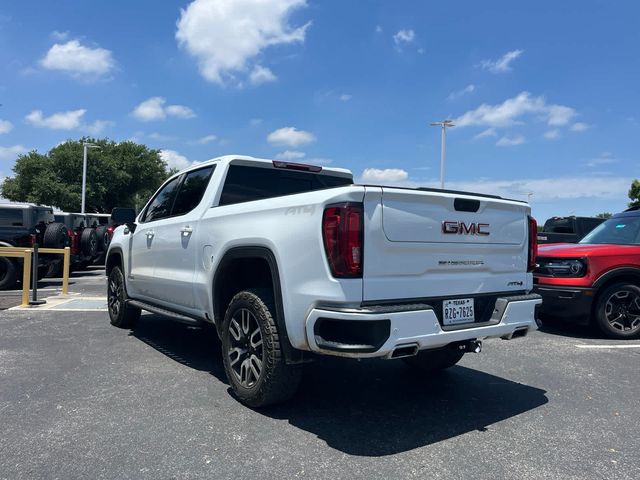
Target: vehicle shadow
x=554, y=326
x=370, y=407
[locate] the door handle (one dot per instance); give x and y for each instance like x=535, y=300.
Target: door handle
x=186, y=230
x=150, y=233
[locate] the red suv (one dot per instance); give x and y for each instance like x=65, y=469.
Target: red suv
x=596, y=280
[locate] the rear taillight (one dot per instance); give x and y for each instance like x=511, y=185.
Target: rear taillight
x=342, y=232
x=73, y=241
x=110, y=230
x=33, y=239
x=533, y=244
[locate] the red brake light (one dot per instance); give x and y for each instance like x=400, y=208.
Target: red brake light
x=110, y=230
x=533, y=244
x=297, y=166
x=342, y=233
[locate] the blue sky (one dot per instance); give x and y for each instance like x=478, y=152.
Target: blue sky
x=545, y=95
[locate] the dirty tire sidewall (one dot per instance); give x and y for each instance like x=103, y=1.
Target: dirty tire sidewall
x=89, y=242
x=8, y=273
x=120, y=314
x=56, y=236
x=277, y=381
x=103, y=238
x=601, y=320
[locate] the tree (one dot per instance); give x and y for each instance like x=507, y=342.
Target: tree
x=634, y=194
x=604, y=215
x=118, y=175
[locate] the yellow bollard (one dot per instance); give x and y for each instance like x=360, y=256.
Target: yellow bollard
x=26, y=277
x=65, y=270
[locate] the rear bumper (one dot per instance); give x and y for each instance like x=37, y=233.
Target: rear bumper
x=570, y=303
x=379, y=331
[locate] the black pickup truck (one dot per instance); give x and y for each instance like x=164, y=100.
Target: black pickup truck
x=23, y=226
x=567, y=229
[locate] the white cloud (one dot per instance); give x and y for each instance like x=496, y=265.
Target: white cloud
x=179, y=111
x=207, y=139
x=154, y=109
x=580, y=127
x=605, y=158
x=59, y=36
x=511, y=111
x=5, y=126
x=290, y=155
x=510, y=141
x=174, y=160
x=226, y=36
x=404, y=36
x=58, y=121
x=489, y=132
x=466, y=90
x=387, y=175
x=98, y=126
x=378, y=29
x=78, y=60
x=345, y=97
x=552, y=134
x=11, y=153
x=261, y=75
x=502, y=64
x=290, y=137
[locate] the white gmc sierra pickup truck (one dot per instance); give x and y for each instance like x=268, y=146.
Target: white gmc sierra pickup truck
x=289, y=261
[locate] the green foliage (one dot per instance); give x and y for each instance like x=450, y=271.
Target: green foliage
x=634, y=194
x=604, y=215
x=118, y=175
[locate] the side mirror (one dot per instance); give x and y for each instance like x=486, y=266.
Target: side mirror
x=124, y=216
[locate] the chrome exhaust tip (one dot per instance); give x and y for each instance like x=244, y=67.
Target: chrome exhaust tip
x=402, y=351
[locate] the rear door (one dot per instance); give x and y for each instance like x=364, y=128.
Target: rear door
x=421, y=244
x=175, y=250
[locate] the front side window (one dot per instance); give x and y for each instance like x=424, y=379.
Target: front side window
x=617, y=231
x=192, y=189
x=160, y=206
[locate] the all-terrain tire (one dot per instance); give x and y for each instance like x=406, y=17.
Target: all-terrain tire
x=103, y=238
x=89, y=242
x=56, y=236
x=276, y=381
x=8, y=273
x=617, y=311
x=432, y=361
x=120, y=314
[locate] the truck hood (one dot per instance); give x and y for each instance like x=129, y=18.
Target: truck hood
x=569, y=250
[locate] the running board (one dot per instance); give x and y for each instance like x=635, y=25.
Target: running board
x=167, y=313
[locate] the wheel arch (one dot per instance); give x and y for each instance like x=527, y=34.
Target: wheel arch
x=630, y=274
x=114, y=258
x=232, y=275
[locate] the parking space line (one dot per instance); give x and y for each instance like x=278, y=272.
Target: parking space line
x=608, y=346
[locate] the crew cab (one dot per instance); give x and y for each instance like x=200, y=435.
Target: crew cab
x=567, y=229
x=291, y=261
x=596, y=280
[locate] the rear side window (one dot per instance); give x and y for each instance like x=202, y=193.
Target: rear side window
x=160, y=206
x=11, y=217
x=559, y=225
x=245, y=184
x=192, y=190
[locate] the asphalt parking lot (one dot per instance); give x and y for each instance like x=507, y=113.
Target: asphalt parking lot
x=82, y=399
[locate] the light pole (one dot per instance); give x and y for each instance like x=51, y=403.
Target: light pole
x=85, y=146
x=444, y=124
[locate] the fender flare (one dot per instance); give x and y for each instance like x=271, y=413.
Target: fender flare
x=291, y=355
x=616, y=272
x=110, y=253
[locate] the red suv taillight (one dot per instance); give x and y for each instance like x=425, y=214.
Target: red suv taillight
x=73, y=241
x=342, y=232
x=533, y=244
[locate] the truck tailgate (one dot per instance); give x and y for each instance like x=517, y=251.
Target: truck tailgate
x=425, y=244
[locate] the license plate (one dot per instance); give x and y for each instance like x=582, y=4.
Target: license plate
x=460, y=310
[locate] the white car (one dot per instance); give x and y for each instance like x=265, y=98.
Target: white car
x=290, y=261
